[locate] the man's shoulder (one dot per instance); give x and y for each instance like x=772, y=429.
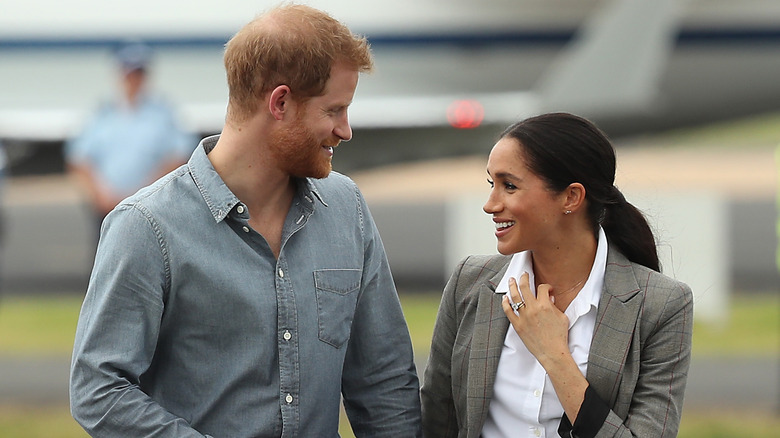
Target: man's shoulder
x=170, y=193
x=335, y=184
x=335, y=179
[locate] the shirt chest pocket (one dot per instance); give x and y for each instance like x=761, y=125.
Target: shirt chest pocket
x=337, y=292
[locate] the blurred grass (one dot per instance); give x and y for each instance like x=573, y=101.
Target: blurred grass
x=753, y=328
x=44, y=326
x=38, y=325
x=38, y=422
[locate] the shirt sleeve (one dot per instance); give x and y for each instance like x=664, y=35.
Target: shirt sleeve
x=117, y=334
x=593, y=413
x=379, y=383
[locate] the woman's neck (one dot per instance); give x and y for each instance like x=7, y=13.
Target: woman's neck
x=566, y=268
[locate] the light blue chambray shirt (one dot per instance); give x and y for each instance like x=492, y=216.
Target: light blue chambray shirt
x=126, y=147
x=191, y=327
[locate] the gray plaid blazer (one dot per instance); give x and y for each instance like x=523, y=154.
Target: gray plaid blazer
x=638, y=360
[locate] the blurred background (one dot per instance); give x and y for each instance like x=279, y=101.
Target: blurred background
x=687, y=90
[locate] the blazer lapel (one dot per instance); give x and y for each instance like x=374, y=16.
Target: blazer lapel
x=616, y=320
x=490, y=328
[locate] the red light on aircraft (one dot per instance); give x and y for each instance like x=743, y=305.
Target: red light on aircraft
x=465, y=114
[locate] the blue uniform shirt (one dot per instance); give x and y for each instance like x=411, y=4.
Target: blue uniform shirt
x=126, y=146
x=191, y=327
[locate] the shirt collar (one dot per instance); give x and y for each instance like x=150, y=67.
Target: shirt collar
x=218, y=197
x=307, y=188
x=590, y=294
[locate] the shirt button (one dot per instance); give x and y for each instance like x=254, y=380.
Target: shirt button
x=240, y=209
x=289, y=398
x=246, y=229
x=281, y=273
x=537, y=393
x=287, y=336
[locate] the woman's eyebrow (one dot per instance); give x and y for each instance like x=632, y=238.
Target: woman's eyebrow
x=506, y=175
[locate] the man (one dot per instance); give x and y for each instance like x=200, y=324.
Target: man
x=130, y=142
x=239, y=296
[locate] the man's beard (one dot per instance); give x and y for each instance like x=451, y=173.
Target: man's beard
x=299, y=153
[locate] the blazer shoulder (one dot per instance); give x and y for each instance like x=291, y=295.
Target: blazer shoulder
x=661, y=294
x=474, y=271
x=483, y=266
x=654, y=282
x=630, y=276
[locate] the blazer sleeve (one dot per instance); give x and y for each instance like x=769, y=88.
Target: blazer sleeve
x=438, y=404
x=664, y=331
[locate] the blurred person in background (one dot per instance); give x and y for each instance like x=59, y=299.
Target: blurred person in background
x=131, y=141
x=246, y=293
x=571, y=329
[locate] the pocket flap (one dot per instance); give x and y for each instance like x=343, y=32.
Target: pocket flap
x=340, y=281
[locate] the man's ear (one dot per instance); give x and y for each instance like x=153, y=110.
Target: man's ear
x=575, y=197
x=279, y=101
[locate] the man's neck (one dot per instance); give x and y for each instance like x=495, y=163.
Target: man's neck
x=267, y=192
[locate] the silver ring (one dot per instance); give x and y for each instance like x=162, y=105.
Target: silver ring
x=518, y=306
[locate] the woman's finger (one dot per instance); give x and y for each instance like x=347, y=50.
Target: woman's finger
x=514, y=291
x=524, y=286
x=507, y=306
x=543, y=292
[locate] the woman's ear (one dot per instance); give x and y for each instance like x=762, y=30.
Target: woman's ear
x=279, y=101
x=575, y=197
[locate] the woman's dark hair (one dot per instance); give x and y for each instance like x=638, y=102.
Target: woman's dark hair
x=563, y=149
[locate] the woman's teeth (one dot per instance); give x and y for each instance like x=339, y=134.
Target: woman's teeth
x=502, y=225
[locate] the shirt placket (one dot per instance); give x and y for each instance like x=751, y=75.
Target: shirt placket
x=535, y=397
x=287, y=330
x=287, y=344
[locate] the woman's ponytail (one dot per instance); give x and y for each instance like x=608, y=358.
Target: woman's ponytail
x=627, y=229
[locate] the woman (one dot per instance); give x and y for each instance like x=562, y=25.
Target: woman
x=601, y=345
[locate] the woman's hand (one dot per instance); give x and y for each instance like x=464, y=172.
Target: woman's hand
x=543, y=328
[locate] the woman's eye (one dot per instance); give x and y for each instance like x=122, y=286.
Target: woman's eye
x=509, y=186
x=491, y=183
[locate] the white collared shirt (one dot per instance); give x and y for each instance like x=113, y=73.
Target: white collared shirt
x=524, y=402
